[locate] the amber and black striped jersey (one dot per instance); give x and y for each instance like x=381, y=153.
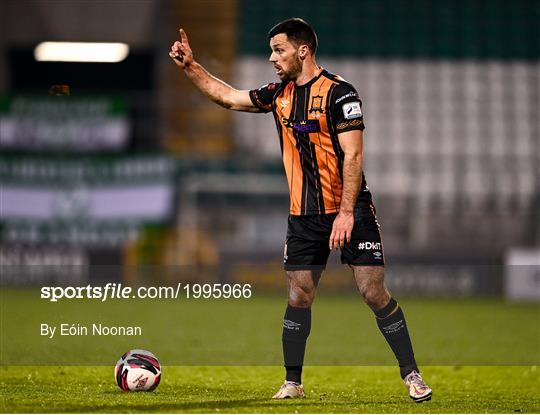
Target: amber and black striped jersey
x=309, y=119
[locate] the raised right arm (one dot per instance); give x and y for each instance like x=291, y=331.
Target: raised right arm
x=215, y=89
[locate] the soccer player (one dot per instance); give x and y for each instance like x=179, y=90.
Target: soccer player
x=320, y=126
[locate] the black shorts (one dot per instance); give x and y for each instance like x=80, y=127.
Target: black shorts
x=308, y=236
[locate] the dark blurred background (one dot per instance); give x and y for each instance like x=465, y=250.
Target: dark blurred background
x=138, y=177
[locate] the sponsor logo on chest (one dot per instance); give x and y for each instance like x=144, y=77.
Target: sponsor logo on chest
x=303, y=126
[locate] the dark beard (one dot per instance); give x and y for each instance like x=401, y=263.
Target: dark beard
x=296, y=69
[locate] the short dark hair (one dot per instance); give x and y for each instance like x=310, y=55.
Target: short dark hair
x=298, y=31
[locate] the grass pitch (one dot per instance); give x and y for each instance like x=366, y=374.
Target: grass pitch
x=478, y=355
x=445, y=332
x=234, y=389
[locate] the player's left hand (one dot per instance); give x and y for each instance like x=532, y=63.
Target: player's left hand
x=341, y=230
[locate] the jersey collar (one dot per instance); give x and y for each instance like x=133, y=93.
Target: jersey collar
x=311, y=81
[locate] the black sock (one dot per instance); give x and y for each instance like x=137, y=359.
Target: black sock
x=296, y=328
x=392, y=325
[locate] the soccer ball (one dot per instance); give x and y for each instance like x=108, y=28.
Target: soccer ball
x=138, y=370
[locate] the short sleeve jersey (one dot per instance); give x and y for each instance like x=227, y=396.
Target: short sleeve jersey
x=309, y=119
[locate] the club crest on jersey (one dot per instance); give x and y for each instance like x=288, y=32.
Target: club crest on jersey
x=304, y=126
x=316, y=104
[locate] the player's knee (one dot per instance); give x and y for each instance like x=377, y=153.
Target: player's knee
x=375, y=297
x=300, y=296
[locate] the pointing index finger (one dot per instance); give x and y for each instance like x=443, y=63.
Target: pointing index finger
x=183, y=36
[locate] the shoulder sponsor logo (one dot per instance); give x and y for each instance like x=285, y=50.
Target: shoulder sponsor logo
x=352, y=110
x=349, y=95
x=291, y=325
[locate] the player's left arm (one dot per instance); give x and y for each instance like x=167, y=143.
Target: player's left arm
x=351, y=143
